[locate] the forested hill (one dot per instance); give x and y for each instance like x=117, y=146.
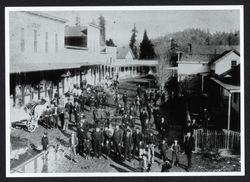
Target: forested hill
x=202, y=37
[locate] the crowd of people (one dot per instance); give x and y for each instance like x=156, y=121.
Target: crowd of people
x=123, y=140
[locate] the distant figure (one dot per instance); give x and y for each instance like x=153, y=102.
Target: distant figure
x=73, y=141
x=125, y=99
x=139, y=90
x=45, y=143
x=50, y=92
x=206, y=118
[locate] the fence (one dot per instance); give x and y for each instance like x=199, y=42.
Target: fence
x=213, y=140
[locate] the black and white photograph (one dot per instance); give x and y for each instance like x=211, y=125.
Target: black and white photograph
x=124, y=91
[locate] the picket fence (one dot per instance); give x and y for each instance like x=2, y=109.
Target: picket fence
x=214, y=140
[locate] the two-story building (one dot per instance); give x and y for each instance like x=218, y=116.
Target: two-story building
x=42, y=54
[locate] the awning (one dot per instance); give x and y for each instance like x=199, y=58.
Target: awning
x=229, y=87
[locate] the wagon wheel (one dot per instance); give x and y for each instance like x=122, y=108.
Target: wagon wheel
x=31, y=125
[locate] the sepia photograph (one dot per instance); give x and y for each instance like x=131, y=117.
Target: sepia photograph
x=124, y=91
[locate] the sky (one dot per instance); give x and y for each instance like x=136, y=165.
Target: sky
x=157, y=22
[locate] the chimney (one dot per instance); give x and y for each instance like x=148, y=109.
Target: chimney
x=189, y=48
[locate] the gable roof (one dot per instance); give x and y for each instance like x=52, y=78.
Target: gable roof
x=195, y=58
x=216, y=59
x=122, y=52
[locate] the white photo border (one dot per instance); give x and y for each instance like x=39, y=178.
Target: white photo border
x=127, y=8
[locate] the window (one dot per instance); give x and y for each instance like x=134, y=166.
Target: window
x=233, y=63
x=56, y=42
x=46, y=42
x=35, y=40
x=22, y=40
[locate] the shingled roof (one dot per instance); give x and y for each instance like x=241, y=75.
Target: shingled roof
x=206, y=53
x=195, y=58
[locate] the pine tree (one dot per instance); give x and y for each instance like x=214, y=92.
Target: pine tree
x=102, y=23
x=133, y=41
x=146, y=48
x=110, y=42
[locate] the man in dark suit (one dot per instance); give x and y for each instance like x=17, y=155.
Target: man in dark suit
x=137, y=137
x=82, y=129
x=77, y=111
x=143, y=118
x=97, y=138
x=157, y=117
x=163, y=127
x=128, y=143
x=125, y=99
x=118, y=136
x=189, y=147
x=68, y=109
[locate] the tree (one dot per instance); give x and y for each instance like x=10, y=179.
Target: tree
x=146, y=48
x=133, y=42
x=102, y=23
x=110, y=42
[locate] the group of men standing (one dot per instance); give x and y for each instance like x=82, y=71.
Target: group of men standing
x=123, y=141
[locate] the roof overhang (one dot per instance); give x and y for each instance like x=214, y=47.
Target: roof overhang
x=44, y=15
x=229, y=87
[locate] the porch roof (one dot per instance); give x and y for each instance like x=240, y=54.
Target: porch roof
x=18, y=68
x=227, y=86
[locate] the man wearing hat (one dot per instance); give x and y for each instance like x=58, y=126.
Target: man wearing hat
x=151, y=143
x=97, y=138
